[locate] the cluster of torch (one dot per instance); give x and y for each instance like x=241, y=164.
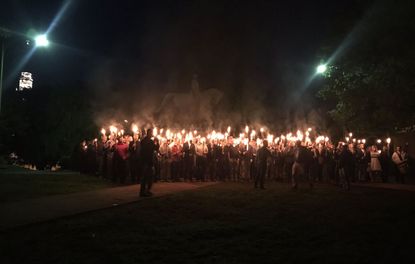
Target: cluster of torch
x=248, y=137
x=350, y=140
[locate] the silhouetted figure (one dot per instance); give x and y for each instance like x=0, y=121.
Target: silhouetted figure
x=300, y=165
x=189, y=153
x=262, y=161
x=146, y=152
x=346, y=160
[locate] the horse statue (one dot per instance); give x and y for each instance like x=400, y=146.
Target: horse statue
x=194, y=107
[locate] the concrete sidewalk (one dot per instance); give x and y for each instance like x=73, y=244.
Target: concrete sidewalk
x=46, y=208
x=389, y=186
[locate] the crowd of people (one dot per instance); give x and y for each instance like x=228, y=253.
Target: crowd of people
x=249, y=158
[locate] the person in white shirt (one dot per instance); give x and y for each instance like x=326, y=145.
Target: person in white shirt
x=400, y=160
x=375, y=167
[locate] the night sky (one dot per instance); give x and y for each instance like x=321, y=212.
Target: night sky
x=264, y=48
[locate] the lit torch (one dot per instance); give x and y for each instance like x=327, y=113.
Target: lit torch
x=253, y=134
x=113, y=130
x=134, y=128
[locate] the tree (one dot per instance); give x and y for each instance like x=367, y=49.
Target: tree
x=371, y=85
x=44, y=125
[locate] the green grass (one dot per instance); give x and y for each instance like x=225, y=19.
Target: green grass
x=17, y=184
x=230, y=223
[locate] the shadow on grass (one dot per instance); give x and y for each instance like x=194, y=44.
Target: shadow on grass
x=230, y=223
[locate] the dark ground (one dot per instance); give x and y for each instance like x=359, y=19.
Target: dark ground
x=230, y=223
x=18, y=184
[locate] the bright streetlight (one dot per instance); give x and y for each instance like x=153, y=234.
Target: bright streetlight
x=41, y=41
x=322, y=68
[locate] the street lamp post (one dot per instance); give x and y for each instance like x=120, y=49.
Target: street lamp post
x=4, y=33
x=1, y=69
x=40, y=41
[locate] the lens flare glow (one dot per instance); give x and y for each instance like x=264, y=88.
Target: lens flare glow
x=322, y=68
x=41, y=41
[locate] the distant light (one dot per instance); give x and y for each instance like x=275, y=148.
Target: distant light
x=25, y=81
x=322, y=68
x=41, y=41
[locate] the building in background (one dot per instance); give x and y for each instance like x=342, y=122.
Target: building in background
x=25, y=81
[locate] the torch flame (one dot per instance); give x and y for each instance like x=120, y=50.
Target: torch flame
x=113, y=129
x=134, y=128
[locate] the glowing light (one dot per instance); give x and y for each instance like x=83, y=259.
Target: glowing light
x=259, y=142
x=322, y=68
x=379, y=141
x=229, y=129
x=300, y=135
x=388, y=140
x=41, y=41
x=134, y=128
x=364, y=141
x=113, y=129
x=253, y=133
x=350, y=134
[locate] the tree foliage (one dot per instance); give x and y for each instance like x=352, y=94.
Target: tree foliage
x=372, y=85
x=44, y=125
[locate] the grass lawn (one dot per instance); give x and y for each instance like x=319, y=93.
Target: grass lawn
x=18, y=184
x=230, y=223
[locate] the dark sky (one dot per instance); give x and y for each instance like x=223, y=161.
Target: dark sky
x=164, y=34
x=128, y=46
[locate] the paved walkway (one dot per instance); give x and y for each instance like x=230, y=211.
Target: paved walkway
x=46, y=208
x=389, y=186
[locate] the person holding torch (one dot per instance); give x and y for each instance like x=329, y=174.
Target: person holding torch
x=146, y=151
